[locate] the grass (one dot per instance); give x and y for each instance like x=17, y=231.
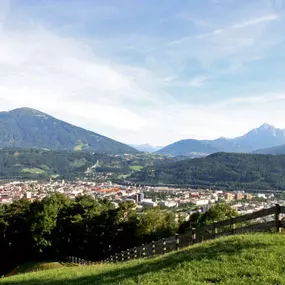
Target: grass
x=241, y=260
x=136, y=167
x=124, y=176
x=80, y=146
x=78, y=163
x=33, y=170
x=37, y=266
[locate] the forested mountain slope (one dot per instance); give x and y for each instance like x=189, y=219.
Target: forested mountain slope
x=29, y=128
x=230, y=170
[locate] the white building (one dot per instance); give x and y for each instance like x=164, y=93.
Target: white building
x=169, y=204
x=148, y=203
x=200, y=202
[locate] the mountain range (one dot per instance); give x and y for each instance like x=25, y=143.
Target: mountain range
x=29, y=128
x=257, y=140
x=146, y=148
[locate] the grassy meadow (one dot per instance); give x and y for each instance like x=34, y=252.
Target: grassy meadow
x=246, y=259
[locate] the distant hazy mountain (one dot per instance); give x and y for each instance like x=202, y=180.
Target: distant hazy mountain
x=29, y=128
x=272, y=150
x=188, y=147
x=263, y=137
x=147, y=147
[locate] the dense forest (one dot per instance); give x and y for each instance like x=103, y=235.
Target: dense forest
x=57, y=227
x=228, y=170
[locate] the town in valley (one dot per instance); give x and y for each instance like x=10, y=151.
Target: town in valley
x=183, y=201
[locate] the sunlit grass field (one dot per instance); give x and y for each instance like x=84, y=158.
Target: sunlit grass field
x=247, y=259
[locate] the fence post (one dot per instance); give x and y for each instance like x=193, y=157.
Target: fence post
x=232, y=226
x=215, y=229
x=164, y=246
x=190, y=236
x=135, y=253
x=116, y=257
x=109, y=249
x=153, y=248
x=122, y=253
x=128, y=254
x=277, y=218
x=143, y=251
x=177, y=241
x=193, y=235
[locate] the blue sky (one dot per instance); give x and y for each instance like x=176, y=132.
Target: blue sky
x=146, y=71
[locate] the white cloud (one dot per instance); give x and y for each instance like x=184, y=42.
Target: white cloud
x=255, y=21
x=229, y=29
x=63, y=77
x=252, y=100
x=237, y=43
x=4, y=11
x=70, y=79
x=198, y=81
x=228, y=118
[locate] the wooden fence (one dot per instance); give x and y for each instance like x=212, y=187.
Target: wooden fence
x=261, y=221
x=80, y=261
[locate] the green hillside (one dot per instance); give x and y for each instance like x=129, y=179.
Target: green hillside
x=247, y=259
x=42, y=164
x=229, y=170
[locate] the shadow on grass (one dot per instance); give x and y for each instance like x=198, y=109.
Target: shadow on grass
x=169, y=262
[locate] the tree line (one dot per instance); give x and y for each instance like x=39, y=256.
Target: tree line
x=57, y=226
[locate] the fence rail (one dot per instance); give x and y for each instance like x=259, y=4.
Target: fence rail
x=249, y=223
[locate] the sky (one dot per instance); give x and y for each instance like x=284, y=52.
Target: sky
x=146, y=71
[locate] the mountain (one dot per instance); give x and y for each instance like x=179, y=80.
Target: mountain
x=272, y=150
x=29, y=128
x=235, y=171
x=189, y=147
x=147, y=148
x=263, y=137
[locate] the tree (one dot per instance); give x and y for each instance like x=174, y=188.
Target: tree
x=155, y=223
x=16, y=240
x=219, y=212
x=43, y=219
